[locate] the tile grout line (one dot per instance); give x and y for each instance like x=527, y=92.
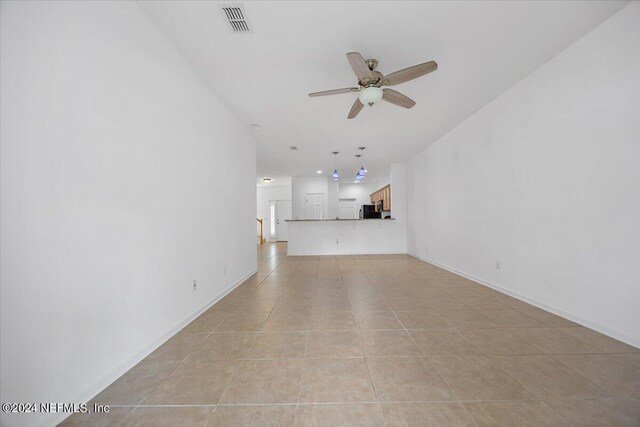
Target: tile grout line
x=302, y=363
x=534, y=399
x=612, y=394
x=125, y=417
x=215, y=408
x=555, y=412
x=434, y=368
x=431, y=364
x=384, y=421
x=306, y=344
x=468, y=413
x=156, y=387
x=240, y=363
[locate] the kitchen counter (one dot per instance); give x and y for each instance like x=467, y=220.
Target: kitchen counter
x=341, y=219
x=345, y=236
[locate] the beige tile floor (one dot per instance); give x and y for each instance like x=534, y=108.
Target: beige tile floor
x=375, y=340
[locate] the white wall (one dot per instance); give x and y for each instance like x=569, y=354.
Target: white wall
x=360, y=192
x=123, y=178
x=545, y=180
x=398, y=182
x=266, y=194
x=380, y=182
x=333, y=206
x=301, y=185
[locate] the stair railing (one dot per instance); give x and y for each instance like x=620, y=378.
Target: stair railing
x=261, y=237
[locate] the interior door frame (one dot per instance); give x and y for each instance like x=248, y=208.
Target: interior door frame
x=277, y=235
x=306, y=195
x=355, y=205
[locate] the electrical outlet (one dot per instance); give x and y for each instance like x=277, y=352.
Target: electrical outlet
x=195, y=284
x=497, y=265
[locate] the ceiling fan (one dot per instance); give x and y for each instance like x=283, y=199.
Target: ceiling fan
x=370, y=82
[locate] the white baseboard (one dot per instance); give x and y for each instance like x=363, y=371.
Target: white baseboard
x=620, y=336
x=123, y=366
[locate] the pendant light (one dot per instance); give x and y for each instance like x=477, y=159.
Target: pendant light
x=362, y=172
x=359, y=174
x=336, y=175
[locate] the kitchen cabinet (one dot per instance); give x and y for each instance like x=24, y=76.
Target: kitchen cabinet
x=383, y=194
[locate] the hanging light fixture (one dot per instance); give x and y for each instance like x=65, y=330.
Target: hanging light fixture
x=362, y=172
x=336, y=175
x=370, y=95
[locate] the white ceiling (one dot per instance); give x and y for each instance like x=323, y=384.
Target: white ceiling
x=482, y=49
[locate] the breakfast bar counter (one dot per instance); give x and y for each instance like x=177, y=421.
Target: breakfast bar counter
x=344, y=236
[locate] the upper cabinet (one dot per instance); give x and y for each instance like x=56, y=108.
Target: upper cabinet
x=383, y=194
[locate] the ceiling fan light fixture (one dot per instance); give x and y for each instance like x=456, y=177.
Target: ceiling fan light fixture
x=370, y=80
x=370, y=95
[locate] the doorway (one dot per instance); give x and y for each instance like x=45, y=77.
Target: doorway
x=283, y=212
x=348, y=209
x=313, y=203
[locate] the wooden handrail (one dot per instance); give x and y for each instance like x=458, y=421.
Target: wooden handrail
x=261, y=234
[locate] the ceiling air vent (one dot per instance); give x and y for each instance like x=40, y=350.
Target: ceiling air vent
x=236, y=18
